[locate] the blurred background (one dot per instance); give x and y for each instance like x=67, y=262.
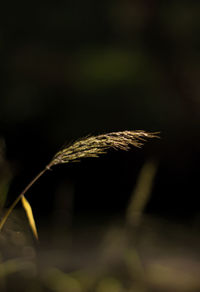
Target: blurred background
x=73, y=68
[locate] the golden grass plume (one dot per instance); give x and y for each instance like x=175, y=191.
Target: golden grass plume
x=87, y=147
x=94, y=146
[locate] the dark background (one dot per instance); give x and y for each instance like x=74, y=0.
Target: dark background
x=72, y=68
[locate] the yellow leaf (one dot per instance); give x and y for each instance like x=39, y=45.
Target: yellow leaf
x=29, y=213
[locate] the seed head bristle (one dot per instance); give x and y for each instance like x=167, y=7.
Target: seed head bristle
x=94, y=146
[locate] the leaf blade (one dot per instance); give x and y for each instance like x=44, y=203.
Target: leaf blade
x=29, y=213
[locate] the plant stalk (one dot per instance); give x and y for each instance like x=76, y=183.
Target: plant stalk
x=5, y=217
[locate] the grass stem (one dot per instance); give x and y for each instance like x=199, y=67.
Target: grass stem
x=5, y=217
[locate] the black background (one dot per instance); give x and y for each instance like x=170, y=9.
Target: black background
x=72, y=68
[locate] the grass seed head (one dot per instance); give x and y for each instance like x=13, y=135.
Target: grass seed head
x=94, y=146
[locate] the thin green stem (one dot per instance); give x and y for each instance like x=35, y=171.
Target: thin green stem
x=5, y=217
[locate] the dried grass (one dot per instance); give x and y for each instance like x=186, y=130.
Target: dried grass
x=93, y=146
